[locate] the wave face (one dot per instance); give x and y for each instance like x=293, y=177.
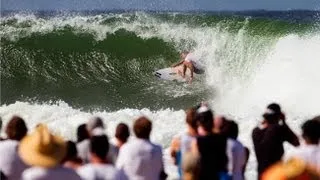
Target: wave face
x=62, y=68
x=107, y=60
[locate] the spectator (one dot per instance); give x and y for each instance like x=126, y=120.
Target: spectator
x=83, y=147
x=210, y=147
x=182, y=144
x=122, y=134
x=71, y=160
x=235, y=150
x=44, y=152
x=140, y=159
x=310, y=151
x=268, y=139
x=98, y=168
x=10, y=163
x=82, y=133
x=218, y=123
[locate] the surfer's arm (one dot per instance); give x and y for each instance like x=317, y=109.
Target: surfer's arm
x=178, y=63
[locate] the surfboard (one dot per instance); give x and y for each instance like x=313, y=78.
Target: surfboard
x=171, y=74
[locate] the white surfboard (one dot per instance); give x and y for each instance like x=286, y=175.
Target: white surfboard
x=171, y=74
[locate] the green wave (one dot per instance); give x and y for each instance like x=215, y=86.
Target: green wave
x=109, y=59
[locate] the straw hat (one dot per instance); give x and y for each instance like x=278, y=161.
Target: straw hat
x=41, y=148
x=293, y=169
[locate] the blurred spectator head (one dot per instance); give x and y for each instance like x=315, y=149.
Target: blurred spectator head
x=72, y=152
x=273, y=113
x=204, y=117
x=16, y=128
x=191, y=118
x=82, y=133
x=93, y=123
x=142, y=128
x=99, y=147
x=230, y=129
x=311, y=131
x=218, y=123
x=122, y=132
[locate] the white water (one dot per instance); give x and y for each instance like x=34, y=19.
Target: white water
x=246, y=74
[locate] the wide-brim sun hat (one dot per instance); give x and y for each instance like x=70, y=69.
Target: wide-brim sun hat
x=41, y=148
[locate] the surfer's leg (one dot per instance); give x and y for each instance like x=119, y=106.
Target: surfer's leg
x=184, y=70
x=185, y=66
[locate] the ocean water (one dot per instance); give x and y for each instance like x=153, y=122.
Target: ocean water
x=61, y=68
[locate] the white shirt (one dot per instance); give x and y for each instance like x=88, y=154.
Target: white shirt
x=236, y=158
x=140, y=160
x=186, y=141
x=40, y=173
x=83, y=149
x=10, y=163
x=310, y=154
x=100, y=172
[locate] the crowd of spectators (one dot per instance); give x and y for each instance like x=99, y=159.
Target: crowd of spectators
x=208, y=150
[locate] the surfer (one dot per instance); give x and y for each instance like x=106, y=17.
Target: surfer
x=188, y=60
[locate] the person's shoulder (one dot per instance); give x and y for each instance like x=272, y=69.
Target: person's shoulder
x=158, y=148
x=68, y=173
x=109, y=169
x=8, y=143
x=258, y=130
x=128, y=145
x=85, y=170
x=34, y=173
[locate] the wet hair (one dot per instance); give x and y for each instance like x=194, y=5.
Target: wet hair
x=230, y=129
x=142, y=127
x=191, y=118
x=311, y=131
x=99, y=145
x=82, y=133
x=122, y=132
x=72, y=152
x=205, y=120
x=271, y=118
x=274, y=116
x=16, y=128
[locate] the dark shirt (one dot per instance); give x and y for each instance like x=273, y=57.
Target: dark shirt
x=212, y=149
x=268, y=144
